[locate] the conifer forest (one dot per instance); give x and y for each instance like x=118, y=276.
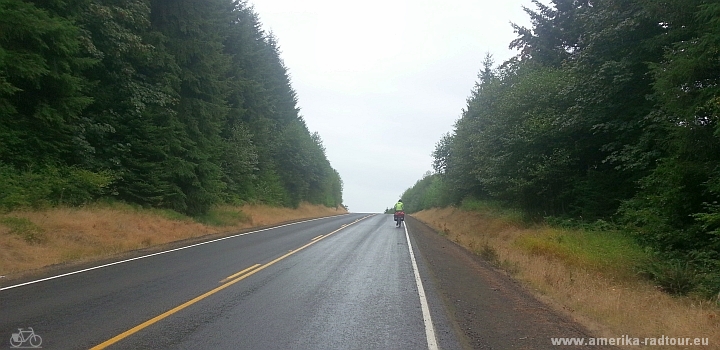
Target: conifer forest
x=177, y=104
x=609, y=116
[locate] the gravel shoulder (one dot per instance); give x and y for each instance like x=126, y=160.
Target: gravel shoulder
x=488, y=309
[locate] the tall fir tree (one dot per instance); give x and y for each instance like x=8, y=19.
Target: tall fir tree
x=193, y=33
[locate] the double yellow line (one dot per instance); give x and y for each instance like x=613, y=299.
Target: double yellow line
x=234, y=278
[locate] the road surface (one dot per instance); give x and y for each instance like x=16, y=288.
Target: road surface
x=348, y=282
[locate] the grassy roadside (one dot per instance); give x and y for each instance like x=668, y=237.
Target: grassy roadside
x=592, y=276
x=34, y=239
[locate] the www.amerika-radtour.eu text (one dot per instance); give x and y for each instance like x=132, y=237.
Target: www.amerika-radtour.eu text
x=626, y=340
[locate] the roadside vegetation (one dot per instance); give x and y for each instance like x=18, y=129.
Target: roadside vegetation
x=33, y=239
x=130, y=123
x=589, y=164
x=609, y=117
x=173, y=104
x=593, y=274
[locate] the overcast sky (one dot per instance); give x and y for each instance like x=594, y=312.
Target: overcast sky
x=382, y=80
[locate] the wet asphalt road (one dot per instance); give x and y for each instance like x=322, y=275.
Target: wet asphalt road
x=344, y=282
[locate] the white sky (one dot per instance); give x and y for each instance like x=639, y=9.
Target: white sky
x=382, y=80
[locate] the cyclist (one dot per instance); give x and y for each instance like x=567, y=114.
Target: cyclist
x=399, y=206
x=399, y=213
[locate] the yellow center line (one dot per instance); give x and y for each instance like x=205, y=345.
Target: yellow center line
x=316, y=238
x=251, y=271
x=239, y=273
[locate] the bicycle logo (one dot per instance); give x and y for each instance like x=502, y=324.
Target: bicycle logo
x=25, y=339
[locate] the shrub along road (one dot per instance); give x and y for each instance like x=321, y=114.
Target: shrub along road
x=344, y=282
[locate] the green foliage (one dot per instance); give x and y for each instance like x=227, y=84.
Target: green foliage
x=675, y=277
x=599, y=250
x=50, y=186
x=41, y=84
x=662, y=211
x=24, y=228
x=268, y=188
x=238, y=161
x=222, y=217
x=571, y=223
x=428, y=192
x=497, y=209
x=609, y=114
x=709, y=218
x=675, y=209
x=289, y=164
x=179, y=105
x=695, y=274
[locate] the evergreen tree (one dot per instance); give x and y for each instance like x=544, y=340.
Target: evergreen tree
x=176, y=104
x=194, y=32
x=42, y=89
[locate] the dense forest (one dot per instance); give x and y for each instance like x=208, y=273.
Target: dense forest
x=179, y=104
x=609, y=113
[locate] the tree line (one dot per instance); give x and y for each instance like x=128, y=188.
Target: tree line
x=609, y=111
x=179, y=104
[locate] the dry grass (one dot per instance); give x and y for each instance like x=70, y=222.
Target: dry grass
x=265, y=215
x=34, y=239
x=592, y=288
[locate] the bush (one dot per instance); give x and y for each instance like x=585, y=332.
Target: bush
x=579, y=224
x=50, y=185
x=497, y=209
x=490, y=254
x=24, y=228
x=675, y=277
x=697, y=273
x=223, y=216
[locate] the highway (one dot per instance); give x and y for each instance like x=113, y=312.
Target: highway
x=345, y=282
x=352, y=281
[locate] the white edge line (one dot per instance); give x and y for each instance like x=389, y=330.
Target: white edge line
x=158, y=253
x=429, y=329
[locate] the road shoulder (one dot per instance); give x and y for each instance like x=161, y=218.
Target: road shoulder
x=489, y=309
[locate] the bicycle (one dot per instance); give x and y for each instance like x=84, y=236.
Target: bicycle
x=21, y=337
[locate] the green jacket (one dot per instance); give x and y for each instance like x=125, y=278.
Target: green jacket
x=399, y=206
